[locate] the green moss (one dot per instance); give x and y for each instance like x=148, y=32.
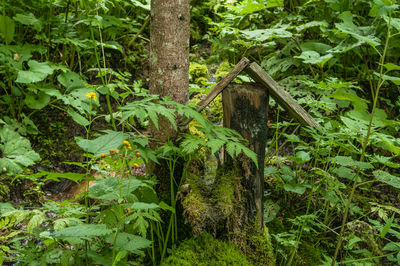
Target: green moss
x=224, y=193
x=261, y=251
x=308, y=254
x=205, y=250
x=223, y=70
x=216, y=112
x=195, y=204
x=198, y=73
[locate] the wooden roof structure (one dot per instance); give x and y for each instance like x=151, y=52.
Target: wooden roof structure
x=262, y=78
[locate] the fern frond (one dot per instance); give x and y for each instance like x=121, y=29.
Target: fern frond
x=36, y=221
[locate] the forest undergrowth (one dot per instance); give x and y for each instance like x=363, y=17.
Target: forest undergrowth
x=75, y=187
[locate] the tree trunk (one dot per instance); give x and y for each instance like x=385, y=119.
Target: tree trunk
x=169, y=49
x=169, y=70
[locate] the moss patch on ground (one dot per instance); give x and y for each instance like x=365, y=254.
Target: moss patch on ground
x=206, y=251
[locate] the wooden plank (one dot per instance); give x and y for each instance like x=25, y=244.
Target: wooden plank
x=223, y=83
x=245, y=110
x=220, y=87
x=280, y=95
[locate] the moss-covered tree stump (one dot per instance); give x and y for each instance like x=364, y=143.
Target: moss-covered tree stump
x=232, y=207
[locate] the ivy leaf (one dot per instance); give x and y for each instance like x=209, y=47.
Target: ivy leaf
x=16, y=151
x=38, y=72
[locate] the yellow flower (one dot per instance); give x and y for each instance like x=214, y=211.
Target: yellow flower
x=127, y=144
x=91, y=95
x=135, y=165
x=103, y=155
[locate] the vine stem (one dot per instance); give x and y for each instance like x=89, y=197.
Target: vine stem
x=364, y=147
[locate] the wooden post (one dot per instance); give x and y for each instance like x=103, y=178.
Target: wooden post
x=245, y=110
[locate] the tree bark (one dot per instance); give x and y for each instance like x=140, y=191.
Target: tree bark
x=169, y=71
x=169, y=51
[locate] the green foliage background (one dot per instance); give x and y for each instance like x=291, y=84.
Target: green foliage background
x=325, y=187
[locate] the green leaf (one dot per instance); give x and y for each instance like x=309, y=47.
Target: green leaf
x=387, y=227
x=390, y=143
x=267, y=34
x=29, y=20
x=391, y=246
x=7, y=28
x=391, y=66
x=114, y=188
x=321, y=48
x=16, y=151
x=37, y=101
x=363, y=34
x=103, y=144
x=387, y=178
x=144, y=206
x=78, y=118
x=271, y=209
x=139, y=4
x=395, y=80
x=75, y=177
x=303, y=156
x=71, y=80
x=275, y=3
x=35, y=221
x=38, y=72
x=348, y=161
x=83, y=231
x=382, y=7
x=296, y=188
x=64, y=222
x=313, y=57
x=129, y=242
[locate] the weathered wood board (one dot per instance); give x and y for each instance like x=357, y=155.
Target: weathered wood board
x=223, y=83
x=245, y=110
x=280, y=95
x=237, y=69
